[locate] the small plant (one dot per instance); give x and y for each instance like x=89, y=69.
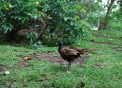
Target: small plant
x=37, y=45
x=34, y=42
x=33, y=37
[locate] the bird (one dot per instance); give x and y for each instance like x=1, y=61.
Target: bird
x=70, y=53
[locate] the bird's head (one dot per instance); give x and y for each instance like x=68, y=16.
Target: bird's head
x=60, y=44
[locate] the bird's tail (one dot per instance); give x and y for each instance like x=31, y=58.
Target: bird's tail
x=82, y=51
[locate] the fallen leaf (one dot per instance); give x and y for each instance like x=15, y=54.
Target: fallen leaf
x=29, y=58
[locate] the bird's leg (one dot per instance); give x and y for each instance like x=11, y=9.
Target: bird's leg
x=69, y=65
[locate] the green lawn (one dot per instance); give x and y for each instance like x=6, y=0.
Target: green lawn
x=102, y=70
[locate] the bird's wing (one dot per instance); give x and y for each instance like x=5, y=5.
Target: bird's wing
x=69, y=51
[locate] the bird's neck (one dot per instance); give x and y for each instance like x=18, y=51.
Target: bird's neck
x=61, y=46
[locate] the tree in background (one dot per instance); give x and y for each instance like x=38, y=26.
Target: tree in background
x=94, y=12
x=104, y=22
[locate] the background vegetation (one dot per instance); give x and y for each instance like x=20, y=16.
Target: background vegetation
x=44, y=17
x=58, y=20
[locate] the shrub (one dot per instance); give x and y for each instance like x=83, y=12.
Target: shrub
x=56, y=18
x=18, y=14
x=63, y=15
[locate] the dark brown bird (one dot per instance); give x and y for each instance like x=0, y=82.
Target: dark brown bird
x=70, y=53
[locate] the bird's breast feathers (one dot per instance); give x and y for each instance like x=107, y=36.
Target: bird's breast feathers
x=69, y=51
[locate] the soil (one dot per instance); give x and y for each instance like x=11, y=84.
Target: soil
x=54, y=59
x=118, y=48
x=1, y=69
x=58, y=59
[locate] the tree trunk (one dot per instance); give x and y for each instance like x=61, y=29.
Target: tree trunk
x=104, y=22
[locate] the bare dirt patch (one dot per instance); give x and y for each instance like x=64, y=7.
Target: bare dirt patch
x=53, y=59
x=1, y=69
x=118, y=48
x=94, y=41
x=24, y=63
x=99, y=42
x=58, y=59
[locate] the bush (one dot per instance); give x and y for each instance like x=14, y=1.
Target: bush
x=56, y=18
x=18, y=14
x=67, y=25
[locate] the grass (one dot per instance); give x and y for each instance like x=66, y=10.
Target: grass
x=102, y=70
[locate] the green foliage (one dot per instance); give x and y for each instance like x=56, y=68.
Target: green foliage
x=120, y=3
x=33, y=37
x=64, y=16
x=46, y=17
x=34, y=42
x=18, y=14
x=95, y=11
x=63, y=20
x=37, y=45
x=115, y=21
